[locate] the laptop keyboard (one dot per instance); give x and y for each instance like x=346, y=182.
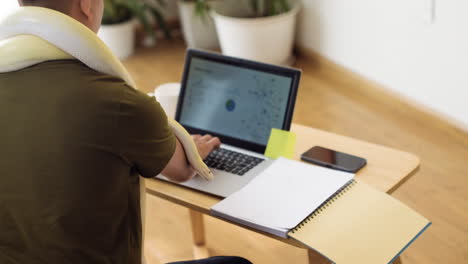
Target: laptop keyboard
x=231, y=161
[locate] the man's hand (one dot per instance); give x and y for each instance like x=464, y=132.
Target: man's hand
x=178, y=169
x=206, y=144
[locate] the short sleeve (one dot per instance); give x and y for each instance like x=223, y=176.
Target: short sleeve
x=148, y=142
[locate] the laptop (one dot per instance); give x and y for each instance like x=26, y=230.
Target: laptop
x=239, y=101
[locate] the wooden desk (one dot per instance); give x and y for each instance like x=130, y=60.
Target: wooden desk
x=386, y=170
x=334, y=99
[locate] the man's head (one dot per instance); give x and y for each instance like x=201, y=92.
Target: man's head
x=88, y=12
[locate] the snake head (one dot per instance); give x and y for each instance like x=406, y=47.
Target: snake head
x=204, y=171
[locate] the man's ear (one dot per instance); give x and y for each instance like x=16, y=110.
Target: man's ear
x=85, y=6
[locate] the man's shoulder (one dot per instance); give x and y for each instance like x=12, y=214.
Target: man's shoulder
x=76, y=72
x=74, y=76
x=74, y=80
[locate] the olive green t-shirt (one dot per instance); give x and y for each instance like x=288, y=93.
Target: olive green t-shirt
x=73, y=143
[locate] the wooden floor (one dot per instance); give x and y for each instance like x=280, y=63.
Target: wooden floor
x=335, y=100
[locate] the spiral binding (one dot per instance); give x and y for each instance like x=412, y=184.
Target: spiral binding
x=327, y=203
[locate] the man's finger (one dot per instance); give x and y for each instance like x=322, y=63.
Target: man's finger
x=215, y=142
x=206, y=137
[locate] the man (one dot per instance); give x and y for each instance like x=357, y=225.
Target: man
x=73, y=143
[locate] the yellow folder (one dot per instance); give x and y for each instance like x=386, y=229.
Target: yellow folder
x=360, y=225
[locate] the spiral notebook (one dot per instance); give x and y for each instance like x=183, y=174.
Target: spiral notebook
x=282, y=196
x=360, y=225
x=355, y=224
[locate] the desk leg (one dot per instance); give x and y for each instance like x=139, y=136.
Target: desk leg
x=316, y=258
x=198, y=232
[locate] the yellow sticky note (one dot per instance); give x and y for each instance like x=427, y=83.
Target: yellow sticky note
x=281, y=144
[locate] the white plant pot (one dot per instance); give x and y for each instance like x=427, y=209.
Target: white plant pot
x=265, y=39
x=198, y=33
x=120, y=38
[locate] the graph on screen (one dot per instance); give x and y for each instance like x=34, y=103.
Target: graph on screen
x=233, y=101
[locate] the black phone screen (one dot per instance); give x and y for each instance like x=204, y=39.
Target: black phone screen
x=333, y=159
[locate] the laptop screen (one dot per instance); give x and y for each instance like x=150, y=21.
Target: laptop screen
x=231, y=100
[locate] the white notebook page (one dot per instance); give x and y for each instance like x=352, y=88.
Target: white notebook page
x=284, y=194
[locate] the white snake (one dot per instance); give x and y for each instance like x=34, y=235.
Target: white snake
x=32, y=35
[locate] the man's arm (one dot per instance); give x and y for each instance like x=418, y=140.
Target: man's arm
x=178, y=169
x=148, y=143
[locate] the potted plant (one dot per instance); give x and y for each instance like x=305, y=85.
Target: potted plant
x=197, y=25
x=119, y=20
x=261, y=30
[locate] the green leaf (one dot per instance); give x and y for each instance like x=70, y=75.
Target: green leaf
x=161, y=22
x=202, y=9
x=263, y=8
x=117, y=11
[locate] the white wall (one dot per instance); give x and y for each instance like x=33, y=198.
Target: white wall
x=395, y=43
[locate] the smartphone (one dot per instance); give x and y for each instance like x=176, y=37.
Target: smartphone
x=333, y=159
